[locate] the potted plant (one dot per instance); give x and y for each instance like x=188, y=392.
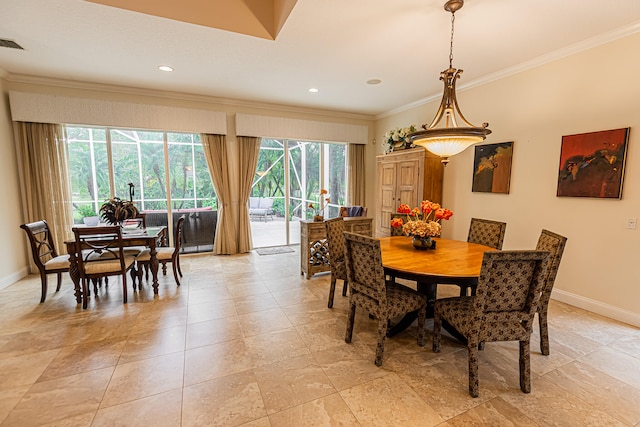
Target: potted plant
x=88, y=215
x=116, y=210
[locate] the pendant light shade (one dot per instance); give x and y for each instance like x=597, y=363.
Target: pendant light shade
x=449, y=133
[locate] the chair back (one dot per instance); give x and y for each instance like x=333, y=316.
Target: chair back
x=352, y=211
x=554, y=244
x=143, y=217
x=99, y=250
x=508, y=292
x=487, y=232
x=335, y=240
x=41, y=242
x=177, y=235
x=364, y=268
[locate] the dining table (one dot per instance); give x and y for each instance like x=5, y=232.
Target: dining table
x=450, y=262
x=150, y=237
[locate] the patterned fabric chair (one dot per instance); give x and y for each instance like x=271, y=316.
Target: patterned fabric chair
x=44, y=254
x=487, y=232
x=484, y=232
x=370, y=291
x=335, y=241
x=554, y=243
x=502, y=309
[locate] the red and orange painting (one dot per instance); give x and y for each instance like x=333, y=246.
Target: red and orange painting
x=592, y=164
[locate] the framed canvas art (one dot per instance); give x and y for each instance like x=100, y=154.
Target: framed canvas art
x=592, y=164
x=492, y=168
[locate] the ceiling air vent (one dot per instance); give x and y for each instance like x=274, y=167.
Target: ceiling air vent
x=10, y=43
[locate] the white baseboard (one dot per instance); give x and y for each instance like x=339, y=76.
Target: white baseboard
x=13, y=277
x=597, y=307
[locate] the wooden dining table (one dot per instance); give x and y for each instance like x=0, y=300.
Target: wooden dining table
x=148, y=237
x=451, y=262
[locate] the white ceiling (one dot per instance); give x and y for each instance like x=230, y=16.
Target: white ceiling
x=332, y=45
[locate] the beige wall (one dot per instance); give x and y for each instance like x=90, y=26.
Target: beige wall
x=590, y=91
x=13, y=259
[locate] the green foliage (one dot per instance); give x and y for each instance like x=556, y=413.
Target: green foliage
x=86, y=210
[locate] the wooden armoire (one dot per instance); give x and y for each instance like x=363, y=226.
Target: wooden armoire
x=405, y=176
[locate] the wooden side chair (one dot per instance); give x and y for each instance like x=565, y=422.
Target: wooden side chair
x=554, y=243
x=44, y=254
x=370, y=291
x=164, y=255
x=502, y=309
x=100, y=253
x=484, y=232
x=335, y=241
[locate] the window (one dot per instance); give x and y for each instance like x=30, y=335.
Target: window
x=166, y=169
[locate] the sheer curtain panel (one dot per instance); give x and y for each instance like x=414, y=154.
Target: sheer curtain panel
x=46, y=191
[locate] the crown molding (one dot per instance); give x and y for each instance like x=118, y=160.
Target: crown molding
x=573, y=49
x=180, y=96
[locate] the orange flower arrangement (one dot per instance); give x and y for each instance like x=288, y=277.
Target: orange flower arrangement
x=423, y=221
x=321, y=204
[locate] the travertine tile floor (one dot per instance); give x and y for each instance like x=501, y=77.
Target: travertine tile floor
x=247, y=341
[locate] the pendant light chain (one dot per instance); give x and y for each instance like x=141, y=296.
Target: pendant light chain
x=453, y=20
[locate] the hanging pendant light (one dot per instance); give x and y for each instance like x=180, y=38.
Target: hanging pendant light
x=451, y=137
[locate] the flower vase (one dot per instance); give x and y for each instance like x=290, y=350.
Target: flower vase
x=422, y=243
x=318, y=218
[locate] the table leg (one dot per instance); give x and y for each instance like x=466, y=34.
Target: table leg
x=153, y=261
x=74, y=273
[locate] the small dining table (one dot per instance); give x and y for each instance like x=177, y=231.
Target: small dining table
x=148, y=237
x=451, y=262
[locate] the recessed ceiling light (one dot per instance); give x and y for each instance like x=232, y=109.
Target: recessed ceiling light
x=374, y=82
x=313, y=90
x=165, y=68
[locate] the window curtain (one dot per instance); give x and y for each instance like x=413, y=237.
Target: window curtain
x=249, y=150
x=356, y=158
x=44, y=167
x=215, y=151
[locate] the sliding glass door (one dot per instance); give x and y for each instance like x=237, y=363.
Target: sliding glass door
x=292, y=173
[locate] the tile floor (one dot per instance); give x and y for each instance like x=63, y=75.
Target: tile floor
x=247, y=341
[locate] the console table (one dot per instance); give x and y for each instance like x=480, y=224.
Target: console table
x=314, y=250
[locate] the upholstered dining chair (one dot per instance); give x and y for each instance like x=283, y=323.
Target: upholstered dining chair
x=335, y=241
x=502, y=308
x=164, y=255
x=100, y=253
x=485, y=232
x=370, y=291
x=44, y=254
x=554, y=243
